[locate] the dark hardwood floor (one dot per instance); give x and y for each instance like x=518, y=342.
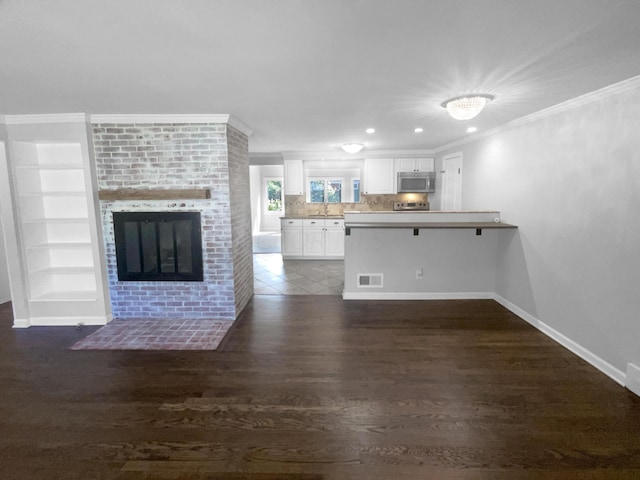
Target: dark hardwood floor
x=314, y=387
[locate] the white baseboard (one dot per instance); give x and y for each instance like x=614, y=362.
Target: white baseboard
x=21, y=323
x=633, y=378
x=416, y=296
x=60, y=321
x=588, y=356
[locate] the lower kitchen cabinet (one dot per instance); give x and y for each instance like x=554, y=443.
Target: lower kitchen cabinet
x=312, y=239
x=291, y=238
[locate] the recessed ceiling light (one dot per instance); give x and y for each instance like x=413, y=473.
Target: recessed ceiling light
x=472, y=130
x=370, y=130
x=418, y=130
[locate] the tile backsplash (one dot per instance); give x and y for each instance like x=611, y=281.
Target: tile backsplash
x=297, y=206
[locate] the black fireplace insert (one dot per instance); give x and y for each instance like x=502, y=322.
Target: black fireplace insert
x=158, y=246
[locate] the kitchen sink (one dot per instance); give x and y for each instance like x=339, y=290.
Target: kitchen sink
x=326, y=216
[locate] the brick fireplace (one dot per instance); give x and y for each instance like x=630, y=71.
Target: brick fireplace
x=175, y=156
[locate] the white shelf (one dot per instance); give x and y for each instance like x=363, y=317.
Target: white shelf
x=78, y=296
x=64, y=271
x=60, y=166
x=45, y=246
x=56, y=220
x=54, y=206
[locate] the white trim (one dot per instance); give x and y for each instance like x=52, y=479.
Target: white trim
x=61, y=321
x=338, y=154
x=586, y=99
x=21, y=323
x=588, y=356
x=633, y=378
x=46, y=118
x=417, y=295
x=172, y=118
x=239, y=125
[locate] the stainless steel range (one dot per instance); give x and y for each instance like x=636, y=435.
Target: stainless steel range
x=411, y=206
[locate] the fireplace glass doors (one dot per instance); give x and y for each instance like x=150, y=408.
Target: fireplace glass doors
x=158, y=246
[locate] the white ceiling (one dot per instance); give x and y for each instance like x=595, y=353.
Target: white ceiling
x=309, y=75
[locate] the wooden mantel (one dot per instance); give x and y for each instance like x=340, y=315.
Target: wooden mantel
x=157, y=194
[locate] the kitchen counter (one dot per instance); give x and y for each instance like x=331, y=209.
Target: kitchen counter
x=425, y=219
x=422, y=254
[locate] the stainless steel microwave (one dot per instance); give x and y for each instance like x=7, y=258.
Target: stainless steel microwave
x=416, y=182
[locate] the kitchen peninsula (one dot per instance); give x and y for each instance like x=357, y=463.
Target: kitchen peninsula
x=422, y=255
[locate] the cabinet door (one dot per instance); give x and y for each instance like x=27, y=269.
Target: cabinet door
x=425, y=164
x=293, y=177
x=292, y=241
x=313, y=242
x=405, y=164
x=334, y=242
x=379, y=176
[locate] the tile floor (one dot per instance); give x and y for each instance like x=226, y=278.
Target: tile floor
x=156, y=334
x=274, y=276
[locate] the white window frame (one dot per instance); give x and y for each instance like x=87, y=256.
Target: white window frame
x=325, y=179
x=265, y=195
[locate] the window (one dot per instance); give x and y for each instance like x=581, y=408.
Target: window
x=323, y=190
x=273, y=188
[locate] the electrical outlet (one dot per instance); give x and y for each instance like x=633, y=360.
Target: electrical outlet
x=419, y=274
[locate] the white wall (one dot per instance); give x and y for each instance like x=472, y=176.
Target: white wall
x=571, y=182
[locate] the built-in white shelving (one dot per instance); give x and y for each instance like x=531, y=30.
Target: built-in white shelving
x=59, y=236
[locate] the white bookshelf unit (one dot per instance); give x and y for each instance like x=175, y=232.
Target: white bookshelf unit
x=59, y=238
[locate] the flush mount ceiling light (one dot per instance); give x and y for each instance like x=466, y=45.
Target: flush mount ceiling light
x=352, y=147
x=467, y=106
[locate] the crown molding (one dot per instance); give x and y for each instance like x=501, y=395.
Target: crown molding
x=45, y=118
x=338, y=154
x=173, y=118
x=586, y=99
x=239, y=125
x=266, y=158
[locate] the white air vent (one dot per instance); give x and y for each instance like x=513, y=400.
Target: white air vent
x=370, y=280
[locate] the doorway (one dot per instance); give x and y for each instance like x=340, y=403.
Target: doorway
x=452, y=182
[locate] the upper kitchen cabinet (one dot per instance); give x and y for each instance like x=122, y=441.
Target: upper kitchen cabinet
x=379, y=177
x=61, y=278
x=426, y=164
x=293, y=177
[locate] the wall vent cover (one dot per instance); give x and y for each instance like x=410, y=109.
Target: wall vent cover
x=370, y=280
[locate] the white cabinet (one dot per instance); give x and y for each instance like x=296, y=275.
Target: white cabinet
x=58, y=234
x=334, y=238
x=291, y=239
x=426, y=164
x=379, y=177
x=312, y=238
x=293, y=177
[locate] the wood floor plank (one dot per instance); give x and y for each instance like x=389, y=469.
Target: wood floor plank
x=317, y=388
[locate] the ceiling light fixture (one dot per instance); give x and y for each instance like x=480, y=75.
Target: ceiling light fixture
x=418, y=130
x=352, y=147
x=467, y=106
x=472, y=130
x=371, y=130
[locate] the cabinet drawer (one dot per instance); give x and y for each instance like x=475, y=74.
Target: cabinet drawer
x=313, y=222
x=334, y=223
x=290, y=222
